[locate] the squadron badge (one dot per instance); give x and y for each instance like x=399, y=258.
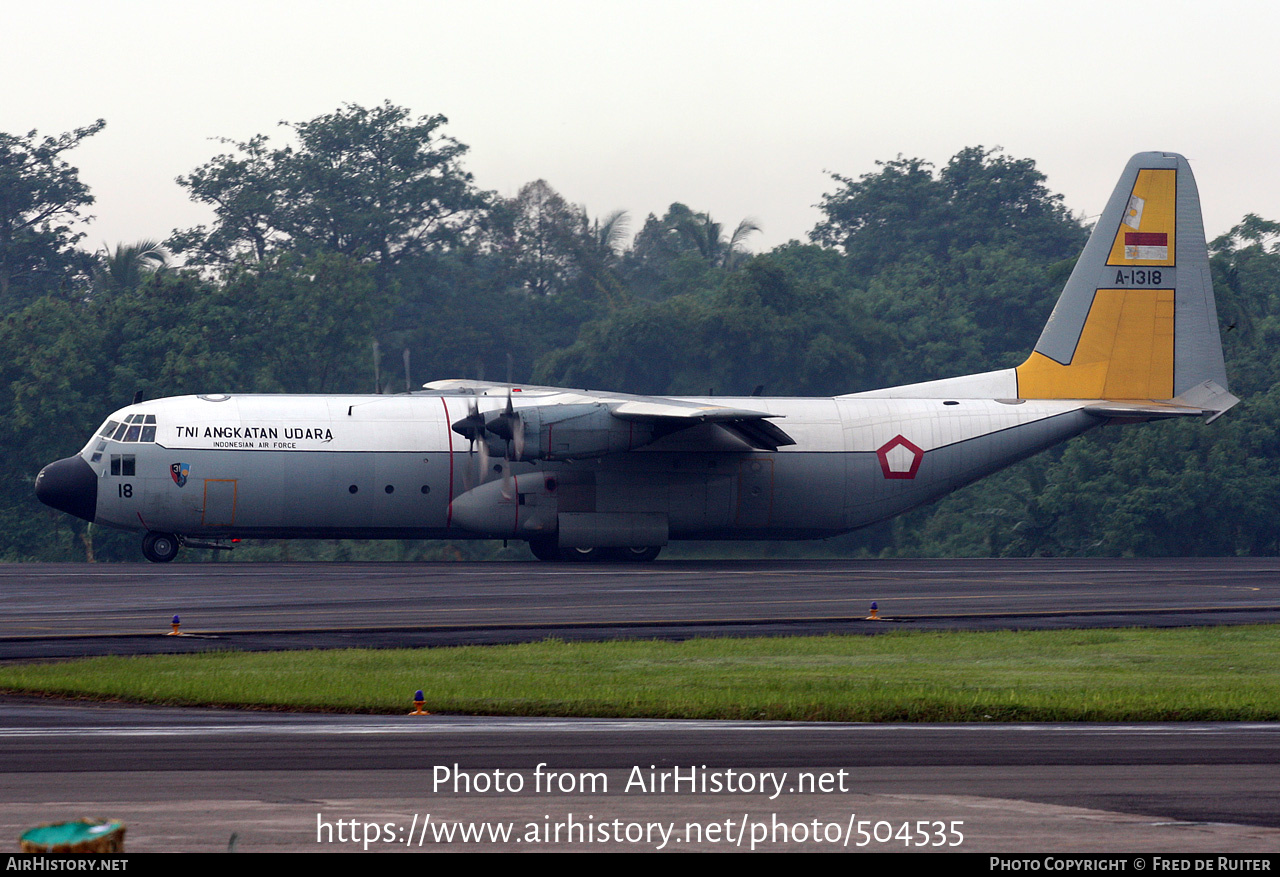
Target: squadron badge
x=179, y=472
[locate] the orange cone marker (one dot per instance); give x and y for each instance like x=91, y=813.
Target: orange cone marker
x=875, y=613
x=177, y=622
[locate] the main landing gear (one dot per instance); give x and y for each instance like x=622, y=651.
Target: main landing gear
x=547, y=549
x=160, y=547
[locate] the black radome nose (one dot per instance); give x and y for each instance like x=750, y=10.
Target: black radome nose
x=69, y=486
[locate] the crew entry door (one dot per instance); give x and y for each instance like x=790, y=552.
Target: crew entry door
x=219, y=502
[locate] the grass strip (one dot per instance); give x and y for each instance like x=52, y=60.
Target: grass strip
x=1196, y=674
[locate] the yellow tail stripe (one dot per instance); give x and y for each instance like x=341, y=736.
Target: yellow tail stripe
x=1125, y=352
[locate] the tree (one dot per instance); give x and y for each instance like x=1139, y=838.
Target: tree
x=706, y=236
x=244, y=190
x=41, y=199
x=303, y=325
x=373, y=184
x=542, y=236
x=779, y=321
x=683, y=251
x=904, y=211
x=125, y=267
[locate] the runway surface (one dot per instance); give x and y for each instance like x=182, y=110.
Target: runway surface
x=59, y=610
x=189, y=779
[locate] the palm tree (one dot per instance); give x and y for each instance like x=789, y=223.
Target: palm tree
x=600, y=253
x=124, y=269
x=704, y=234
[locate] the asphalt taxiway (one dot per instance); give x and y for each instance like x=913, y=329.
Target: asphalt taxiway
x=58, y=610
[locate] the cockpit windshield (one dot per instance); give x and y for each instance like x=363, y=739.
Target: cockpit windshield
x=134, y=428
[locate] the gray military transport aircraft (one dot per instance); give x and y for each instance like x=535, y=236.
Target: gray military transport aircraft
x=586, y=474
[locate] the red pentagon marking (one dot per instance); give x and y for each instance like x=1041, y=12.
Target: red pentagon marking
x=899, y=458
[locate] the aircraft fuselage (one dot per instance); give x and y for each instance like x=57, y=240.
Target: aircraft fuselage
x=391, y=467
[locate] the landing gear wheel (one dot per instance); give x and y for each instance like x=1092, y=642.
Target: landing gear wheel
x=545, y=549
x=160, y=547
x=635, y=555
x=583, y=555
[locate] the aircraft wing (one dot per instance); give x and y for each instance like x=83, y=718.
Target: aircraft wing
x=661, y=416
x=669, y=415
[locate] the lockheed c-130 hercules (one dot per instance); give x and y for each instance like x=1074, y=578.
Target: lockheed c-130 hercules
x=578, y=474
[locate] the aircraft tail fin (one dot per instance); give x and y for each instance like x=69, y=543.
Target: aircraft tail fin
x=1137, y=319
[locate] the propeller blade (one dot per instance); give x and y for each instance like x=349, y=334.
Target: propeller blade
x=483, y=469
x=508, y=487
x=509, y=426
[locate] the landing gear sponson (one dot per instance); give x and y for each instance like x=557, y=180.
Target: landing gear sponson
x=548, y=549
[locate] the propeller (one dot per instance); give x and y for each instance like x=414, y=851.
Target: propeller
x=472, y=428
x=509, y=427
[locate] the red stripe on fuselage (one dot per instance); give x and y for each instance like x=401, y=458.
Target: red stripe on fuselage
x=448, y=521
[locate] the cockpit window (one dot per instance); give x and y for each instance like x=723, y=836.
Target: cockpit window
x=135, y=428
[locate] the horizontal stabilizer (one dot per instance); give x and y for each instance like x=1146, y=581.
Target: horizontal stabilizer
x=1203, y=399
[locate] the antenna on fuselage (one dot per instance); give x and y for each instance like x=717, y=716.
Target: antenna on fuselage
x=137, y=397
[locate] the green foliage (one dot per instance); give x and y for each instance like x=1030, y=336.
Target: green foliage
x=767, y=324
x=41, y=198
x=125, y=267
x=981, y=197
x=1052, y=675
x=371, y=184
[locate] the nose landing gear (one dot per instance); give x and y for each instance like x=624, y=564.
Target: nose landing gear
x=160, y=547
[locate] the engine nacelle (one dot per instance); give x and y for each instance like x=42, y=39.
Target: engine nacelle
x=572, y=432
x=528, y=508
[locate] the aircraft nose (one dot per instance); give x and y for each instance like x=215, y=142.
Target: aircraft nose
x=70, y=486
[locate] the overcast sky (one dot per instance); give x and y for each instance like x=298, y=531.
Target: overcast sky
x=736, y=108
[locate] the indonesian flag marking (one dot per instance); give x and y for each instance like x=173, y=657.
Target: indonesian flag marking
x=1146, y=245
